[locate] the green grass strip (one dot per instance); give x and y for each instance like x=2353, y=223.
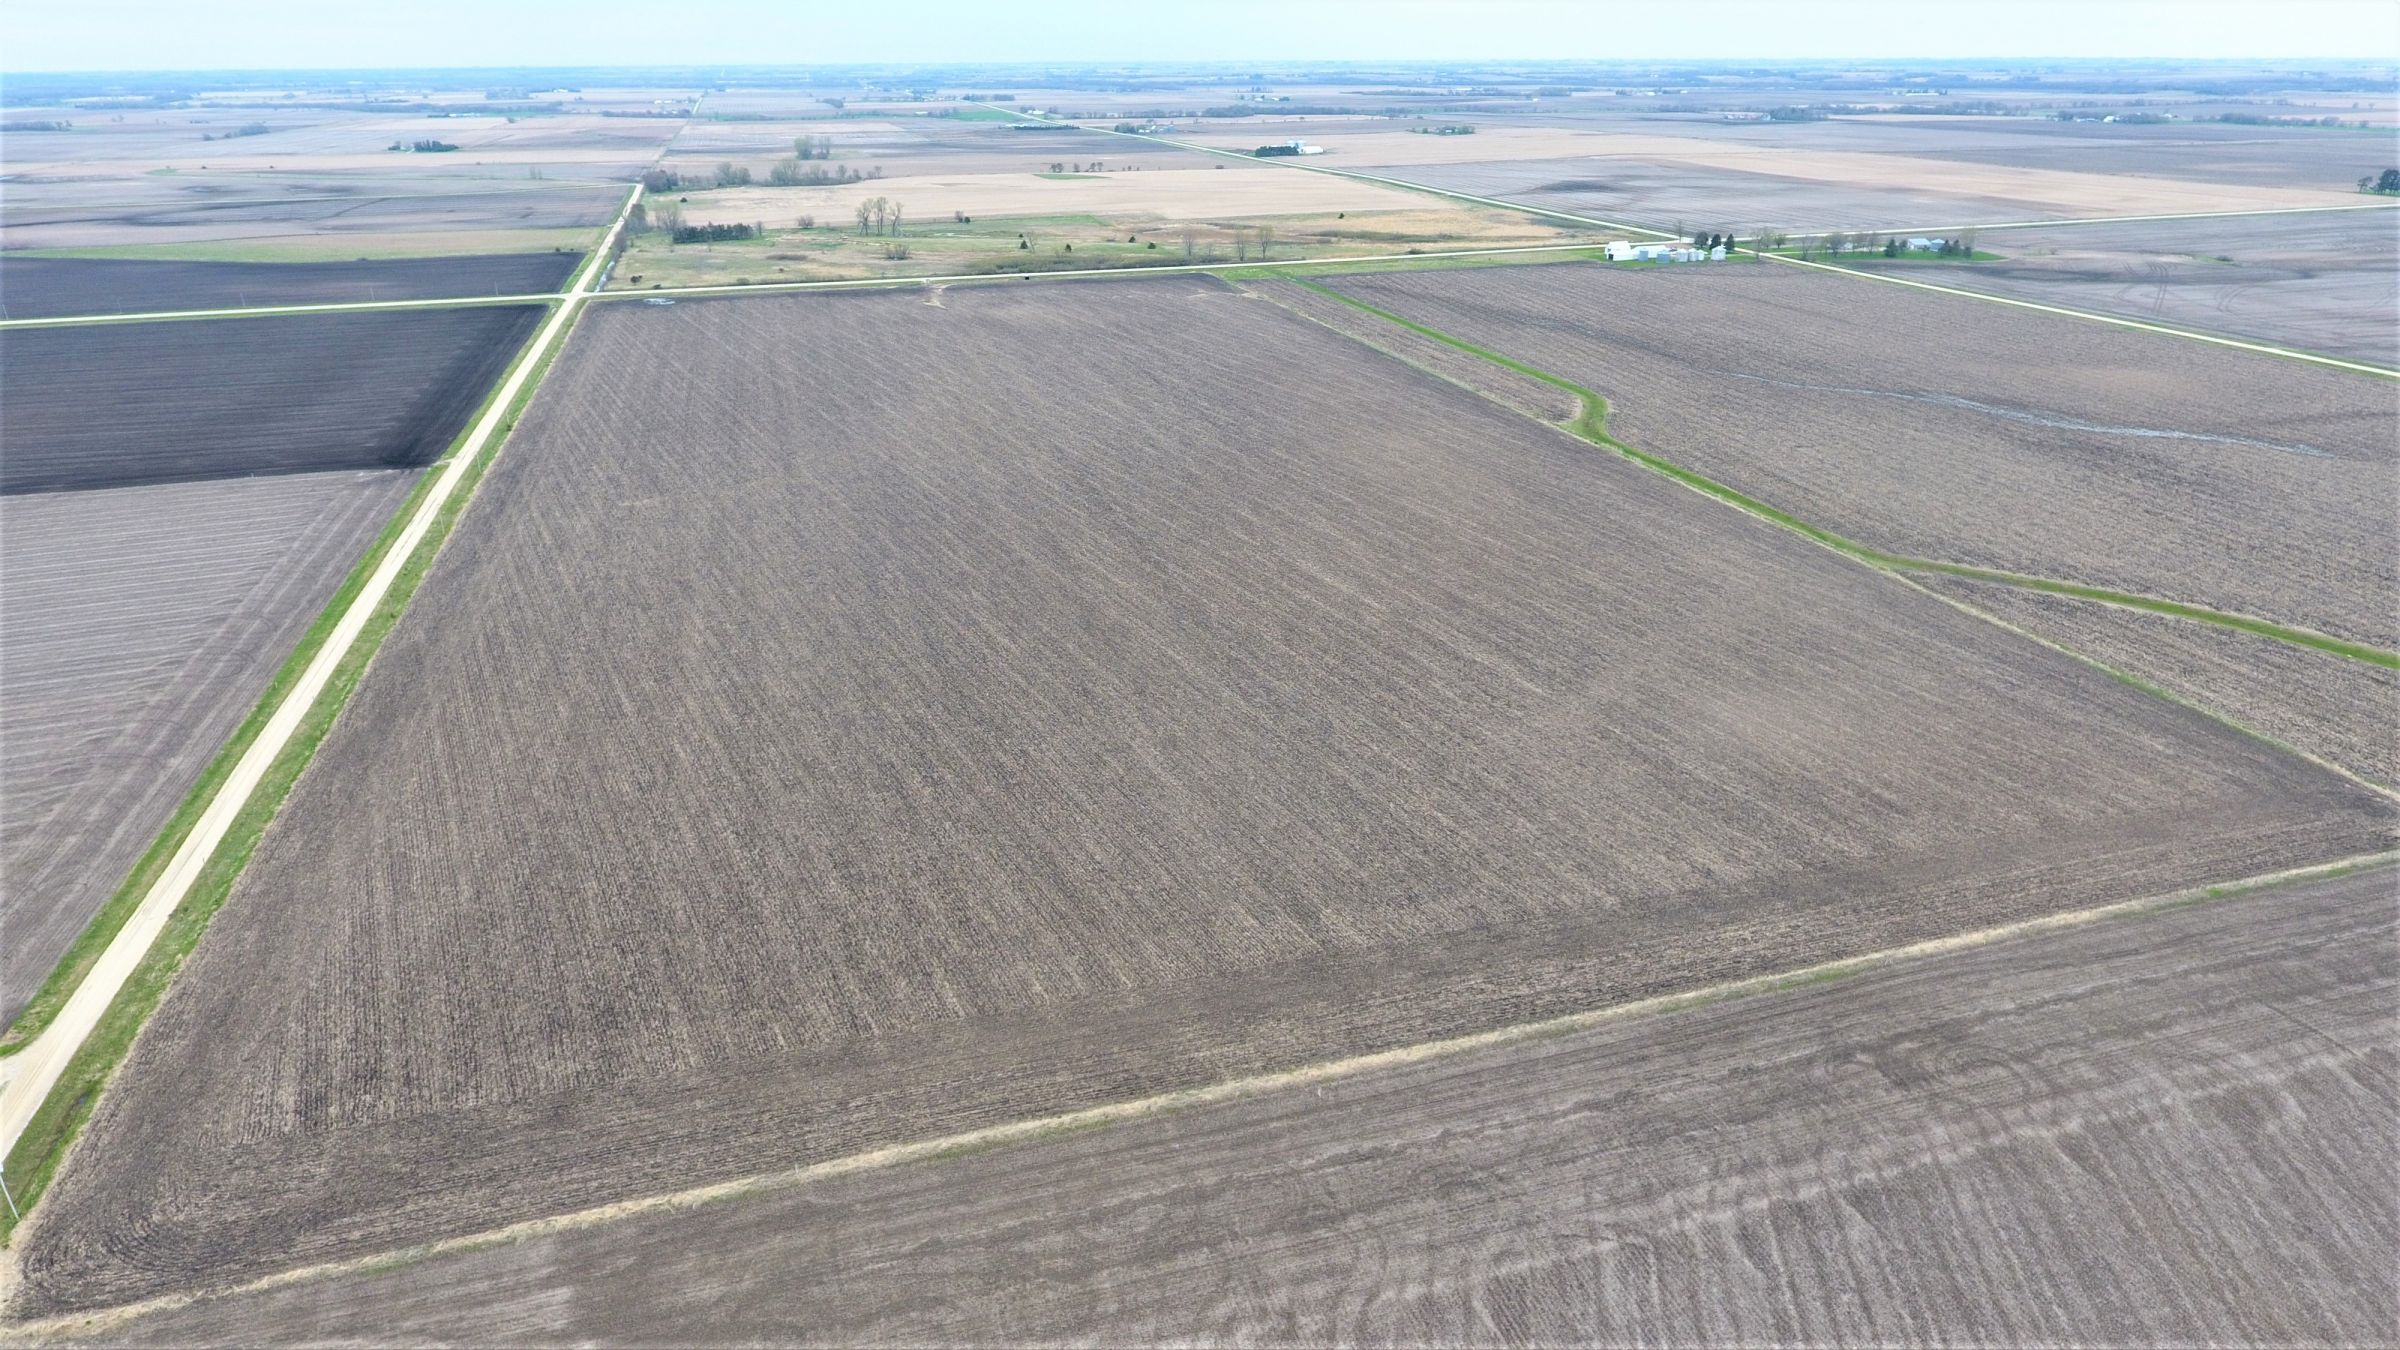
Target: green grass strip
x=33, y=1162
x=1592, y=425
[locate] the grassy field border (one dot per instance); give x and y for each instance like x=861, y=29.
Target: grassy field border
x=1592, y=425
x=33, y=1163
x=96, y=935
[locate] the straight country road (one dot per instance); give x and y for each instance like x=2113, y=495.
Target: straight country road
x=27, y=1076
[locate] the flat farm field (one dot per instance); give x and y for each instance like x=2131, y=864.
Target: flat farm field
x=116, y=404
x=39, y=287
x=137, y=626
x=274, y=217
x=847, y=719
x=1948, y=428
x=2320, y=282
x=1867, y=1132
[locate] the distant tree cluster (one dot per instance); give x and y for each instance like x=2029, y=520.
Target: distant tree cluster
x=245, y=129
x=878, y=215
x=714, y=234
x=37, y=126
x=730, y=174
x=2387, y=182
x=426, y=147
x=812, y=147
x=789, y=173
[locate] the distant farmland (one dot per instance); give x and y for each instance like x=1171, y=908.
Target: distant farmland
x=1948, y=428
x=843, y=720
x=2323, y=283
x=117, y=404
x=40, y=287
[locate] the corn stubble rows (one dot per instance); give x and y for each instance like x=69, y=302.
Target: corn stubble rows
x=843, y=720
x=1950, y=428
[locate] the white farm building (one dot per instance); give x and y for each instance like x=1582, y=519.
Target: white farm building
x=1625, y=250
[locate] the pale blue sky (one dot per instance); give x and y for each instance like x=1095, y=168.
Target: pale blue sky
x=40, y=35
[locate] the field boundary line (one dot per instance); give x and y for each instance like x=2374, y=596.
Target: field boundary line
x=1009, y=1134
x=1592, y=426
x=2155, y=689
x=2117, y=220
x=2239, y=344
x=282, y=311
x=29, y=1076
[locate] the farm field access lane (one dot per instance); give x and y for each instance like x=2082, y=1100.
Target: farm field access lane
x=28, y=1076
x=967, y=760
x=2106, y=1081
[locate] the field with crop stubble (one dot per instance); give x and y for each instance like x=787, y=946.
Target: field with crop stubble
x=1819, y=1164
x=1940, y=427
x=849, y=719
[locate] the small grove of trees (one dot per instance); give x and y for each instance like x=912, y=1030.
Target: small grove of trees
x=246, y=129
x=426, y=147
x=790, y=173
x=44, y=125
x=2387, y=182
x=730, y=174
x=812, y=147
x=714, y=234
x=878, y=215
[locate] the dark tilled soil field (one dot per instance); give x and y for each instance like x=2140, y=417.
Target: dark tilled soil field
x=1950, y=428
x=41, y=287
x=843, y=720
x=118, y=404
x=2175, y=1130
x=2323, y=283
x=2342, y=710
x=137, y=627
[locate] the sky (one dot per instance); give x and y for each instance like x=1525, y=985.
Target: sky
x=298, y=34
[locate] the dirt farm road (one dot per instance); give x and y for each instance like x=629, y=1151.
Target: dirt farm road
x=27, y=1076
x=1644, y=1178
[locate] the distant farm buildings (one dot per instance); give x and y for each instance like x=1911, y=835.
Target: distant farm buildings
x=1625, y=250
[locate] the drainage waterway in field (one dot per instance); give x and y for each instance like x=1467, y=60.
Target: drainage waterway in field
x=2041, y=419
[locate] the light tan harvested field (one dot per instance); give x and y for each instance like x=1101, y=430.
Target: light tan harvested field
x=794, y=752
x=2034, y=192
x=2175, y=1130
x=1944, y=427
x=920, y=147
x=324, y=217
x=2188, y=152
x=2344, y=711
x=137, y=626
x=1675, y=198
x=1237, y=190
x=568, y=145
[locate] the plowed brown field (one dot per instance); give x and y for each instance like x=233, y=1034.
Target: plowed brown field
x=842, y=720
